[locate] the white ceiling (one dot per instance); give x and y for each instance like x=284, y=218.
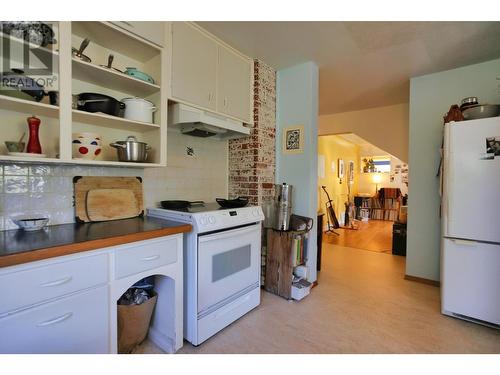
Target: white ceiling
x=364, y=64
x=365, y=147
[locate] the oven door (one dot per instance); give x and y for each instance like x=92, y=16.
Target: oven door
x=228, y=263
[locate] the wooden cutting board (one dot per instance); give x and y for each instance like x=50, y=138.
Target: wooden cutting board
x=111, y=204
x=107, y=198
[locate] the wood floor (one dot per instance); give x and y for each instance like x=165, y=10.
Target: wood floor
x=373, y=235
x=361, y=305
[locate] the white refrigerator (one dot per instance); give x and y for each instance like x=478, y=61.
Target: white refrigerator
x=470, y=249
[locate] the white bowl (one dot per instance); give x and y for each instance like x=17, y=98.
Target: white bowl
x=31, y=224
x=85, y=151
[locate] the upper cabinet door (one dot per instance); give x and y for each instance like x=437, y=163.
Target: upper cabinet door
x=194, y=65
x=154, y=31
x=234, y=84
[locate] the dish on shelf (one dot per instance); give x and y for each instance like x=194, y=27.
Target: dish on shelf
x=133, y=72
x=86, y=151
x=26, y=154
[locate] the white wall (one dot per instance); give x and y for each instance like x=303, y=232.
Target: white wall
x=430, y=97
x=297, y=104
x=385, y=127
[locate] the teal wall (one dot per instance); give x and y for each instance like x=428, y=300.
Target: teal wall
x=430, y=98
x=297, y=104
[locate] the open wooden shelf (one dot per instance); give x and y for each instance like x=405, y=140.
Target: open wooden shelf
x=29, y=107
x=27, y=159
x=116, y=39
x=115, y=163
x=111, y=79
x=108, y=121
x=106, y=38
x=102, y=163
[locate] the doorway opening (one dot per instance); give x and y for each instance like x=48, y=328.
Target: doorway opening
x=367, y=193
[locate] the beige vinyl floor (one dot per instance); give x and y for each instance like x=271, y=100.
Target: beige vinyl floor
x=361, y=305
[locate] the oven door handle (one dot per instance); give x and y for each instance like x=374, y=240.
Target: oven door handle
x=229, y=233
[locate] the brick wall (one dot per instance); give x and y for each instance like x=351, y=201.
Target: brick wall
x=252, y=159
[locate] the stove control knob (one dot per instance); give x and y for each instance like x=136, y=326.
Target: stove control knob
x=211, y=220
x=204, y=220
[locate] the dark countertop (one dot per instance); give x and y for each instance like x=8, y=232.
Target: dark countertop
x=18, y=246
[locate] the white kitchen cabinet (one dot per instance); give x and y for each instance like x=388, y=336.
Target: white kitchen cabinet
x=135, y=258
x=68, y=304
x=153, y=31
x=194, y=66
x=76, y=324
x=233, y=84
x=208, y=74
x=56, y=279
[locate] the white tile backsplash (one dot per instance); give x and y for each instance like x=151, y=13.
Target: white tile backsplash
x=201, y=176
x=48, y=189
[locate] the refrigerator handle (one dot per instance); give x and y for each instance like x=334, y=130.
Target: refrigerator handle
x=464, y=242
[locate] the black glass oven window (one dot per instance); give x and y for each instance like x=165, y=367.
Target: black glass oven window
x=230, y=262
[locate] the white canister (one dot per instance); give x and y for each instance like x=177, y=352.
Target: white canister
x=138, y=109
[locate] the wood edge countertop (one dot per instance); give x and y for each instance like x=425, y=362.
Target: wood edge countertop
x=31, y=255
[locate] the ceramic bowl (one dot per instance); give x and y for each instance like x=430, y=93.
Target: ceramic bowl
x=93, y=139
x=86, y=151
x=31, y=224
x=14, y=146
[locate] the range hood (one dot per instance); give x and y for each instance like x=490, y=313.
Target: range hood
x=200, y=123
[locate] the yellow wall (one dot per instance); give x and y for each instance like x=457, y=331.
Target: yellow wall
x=333, y=147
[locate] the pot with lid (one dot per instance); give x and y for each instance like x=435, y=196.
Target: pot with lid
x=131, y=150
x=138, y=109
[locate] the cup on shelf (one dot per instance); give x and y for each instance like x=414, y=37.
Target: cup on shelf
x=15, y=146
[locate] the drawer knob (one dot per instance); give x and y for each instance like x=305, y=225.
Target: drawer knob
x=55, y=320
x=152, y=257
x=64, y=280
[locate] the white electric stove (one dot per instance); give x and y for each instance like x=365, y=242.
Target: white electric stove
x=221, y=265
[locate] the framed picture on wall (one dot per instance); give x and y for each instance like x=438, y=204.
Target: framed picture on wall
x=340, y=168
x=293, y=139
x=351, y=172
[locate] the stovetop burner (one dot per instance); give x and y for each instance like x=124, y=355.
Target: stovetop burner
x=205, y=207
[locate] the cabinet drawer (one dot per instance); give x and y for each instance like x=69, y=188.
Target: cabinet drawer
x=146, y=256
x=76, y=324
x=27, y=287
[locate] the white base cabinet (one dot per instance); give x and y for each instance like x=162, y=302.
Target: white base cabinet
x=75, y=324
x=67, y=304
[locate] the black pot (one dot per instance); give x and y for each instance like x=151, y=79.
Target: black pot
x=16, y=80
x=38, y=33
x=94, y=102
x=179, y=205
x=232, y=203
